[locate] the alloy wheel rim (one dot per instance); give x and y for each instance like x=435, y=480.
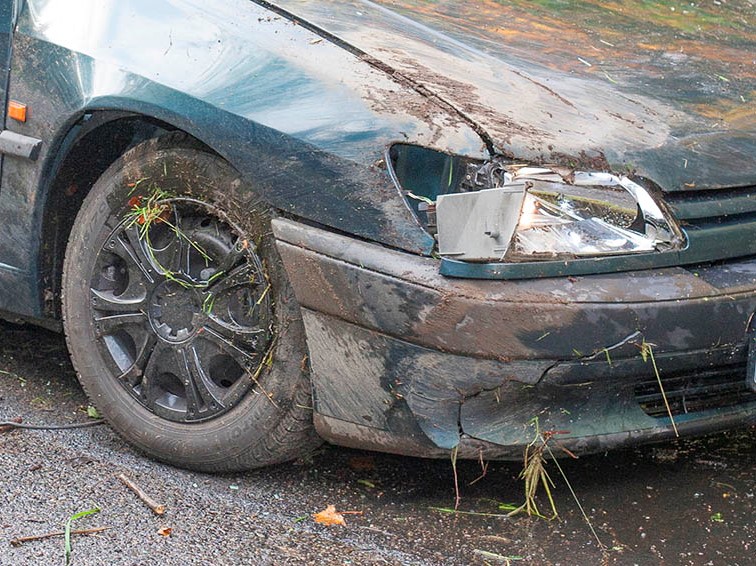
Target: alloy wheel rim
x=181, y=309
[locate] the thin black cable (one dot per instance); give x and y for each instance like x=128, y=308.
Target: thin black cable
x=12, y=424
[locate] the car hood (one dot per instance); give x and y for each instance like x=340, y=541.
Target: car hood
x=664, y=92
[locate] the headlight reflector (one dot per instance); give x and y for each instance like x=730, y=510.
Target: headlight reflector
x=559, y=216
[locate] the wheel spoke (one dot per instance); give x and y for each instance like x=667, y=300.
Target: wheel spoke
x=151, y=390
x=244, y=275
x=133, y=300
x=174, y=257
x=180, y=244
x=234, y=256
x=201, y=393
x=105, y=325
x=133, y=376
x=237, y=306
x=134, y=268
x=128, y=245
x=246, y=359
x=246, y=337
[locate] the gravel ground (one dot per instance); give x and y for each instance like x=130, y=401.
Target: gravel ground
x=691, y=502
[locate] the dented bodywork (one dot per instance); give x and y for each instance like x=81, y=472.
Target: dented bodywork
x=397, y=144
x=402, y=356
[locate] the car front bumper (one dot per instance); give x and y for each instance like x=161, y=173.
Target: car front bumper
x=406, y=360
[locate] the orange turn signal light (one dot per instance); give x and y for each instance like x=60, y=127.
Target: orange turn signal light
x=17, y=111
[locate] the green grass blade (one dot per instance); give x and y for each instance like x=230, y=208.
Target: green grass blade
x=67, y=534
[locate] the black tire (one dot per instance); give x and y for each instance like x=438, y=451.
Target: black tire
x=179, y=318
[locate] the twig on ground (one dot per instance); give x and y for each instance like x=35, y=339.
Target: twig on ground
x=9, y=425
x=157, y=508
x=485, y=555
x=18, y=541
x=483, y=469
x=457, y=512
x=377, y=530
x=457, y=497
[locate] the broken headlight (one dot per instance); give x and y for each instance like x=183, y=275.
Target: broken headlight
x=534, y=213
x=501, y=211
x=588, y=214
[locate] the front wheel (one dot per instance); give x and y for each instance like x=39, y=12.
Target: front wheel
x=180, y=321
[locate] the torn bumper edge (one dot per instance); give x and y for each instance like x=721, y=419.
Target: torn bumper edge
x=407, y=361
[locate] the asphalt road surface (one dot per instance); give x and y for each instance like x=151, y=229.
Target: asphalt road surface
x=691, y=502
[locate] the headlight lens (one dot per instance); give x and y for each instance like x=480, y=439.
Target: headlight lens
x=551, y=215
x=597, y=214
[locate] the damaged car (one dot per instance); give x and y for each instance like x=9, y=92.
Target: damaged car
x=406, y=226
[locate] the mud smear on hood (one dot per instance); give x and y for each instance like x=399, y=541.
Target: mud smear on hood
x=544, y=81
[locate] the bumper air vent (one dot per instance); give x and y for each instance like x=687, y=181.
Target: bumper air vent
x=712, y=389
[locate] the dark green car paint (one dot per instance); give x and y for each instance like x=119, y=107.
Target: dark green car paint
x=641, y=108
x=7, y=20
x=668, y=95
x=459, y=361
x=267, y=95
x=309, y=121
x=7, y=16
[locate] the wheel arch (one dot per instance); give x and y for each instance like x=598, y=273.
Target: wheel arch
x=91, y=142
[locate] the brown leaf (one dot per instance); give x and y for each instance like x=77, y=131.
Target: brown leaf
x=329, y=516
x=165, y=531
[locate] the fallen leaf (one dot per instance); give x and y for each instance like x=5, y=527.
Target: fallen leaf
x=165, y=531
x=329, y=516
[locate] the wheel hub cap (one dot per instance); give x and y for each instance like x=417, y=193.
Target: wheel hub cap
x=173, y=308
